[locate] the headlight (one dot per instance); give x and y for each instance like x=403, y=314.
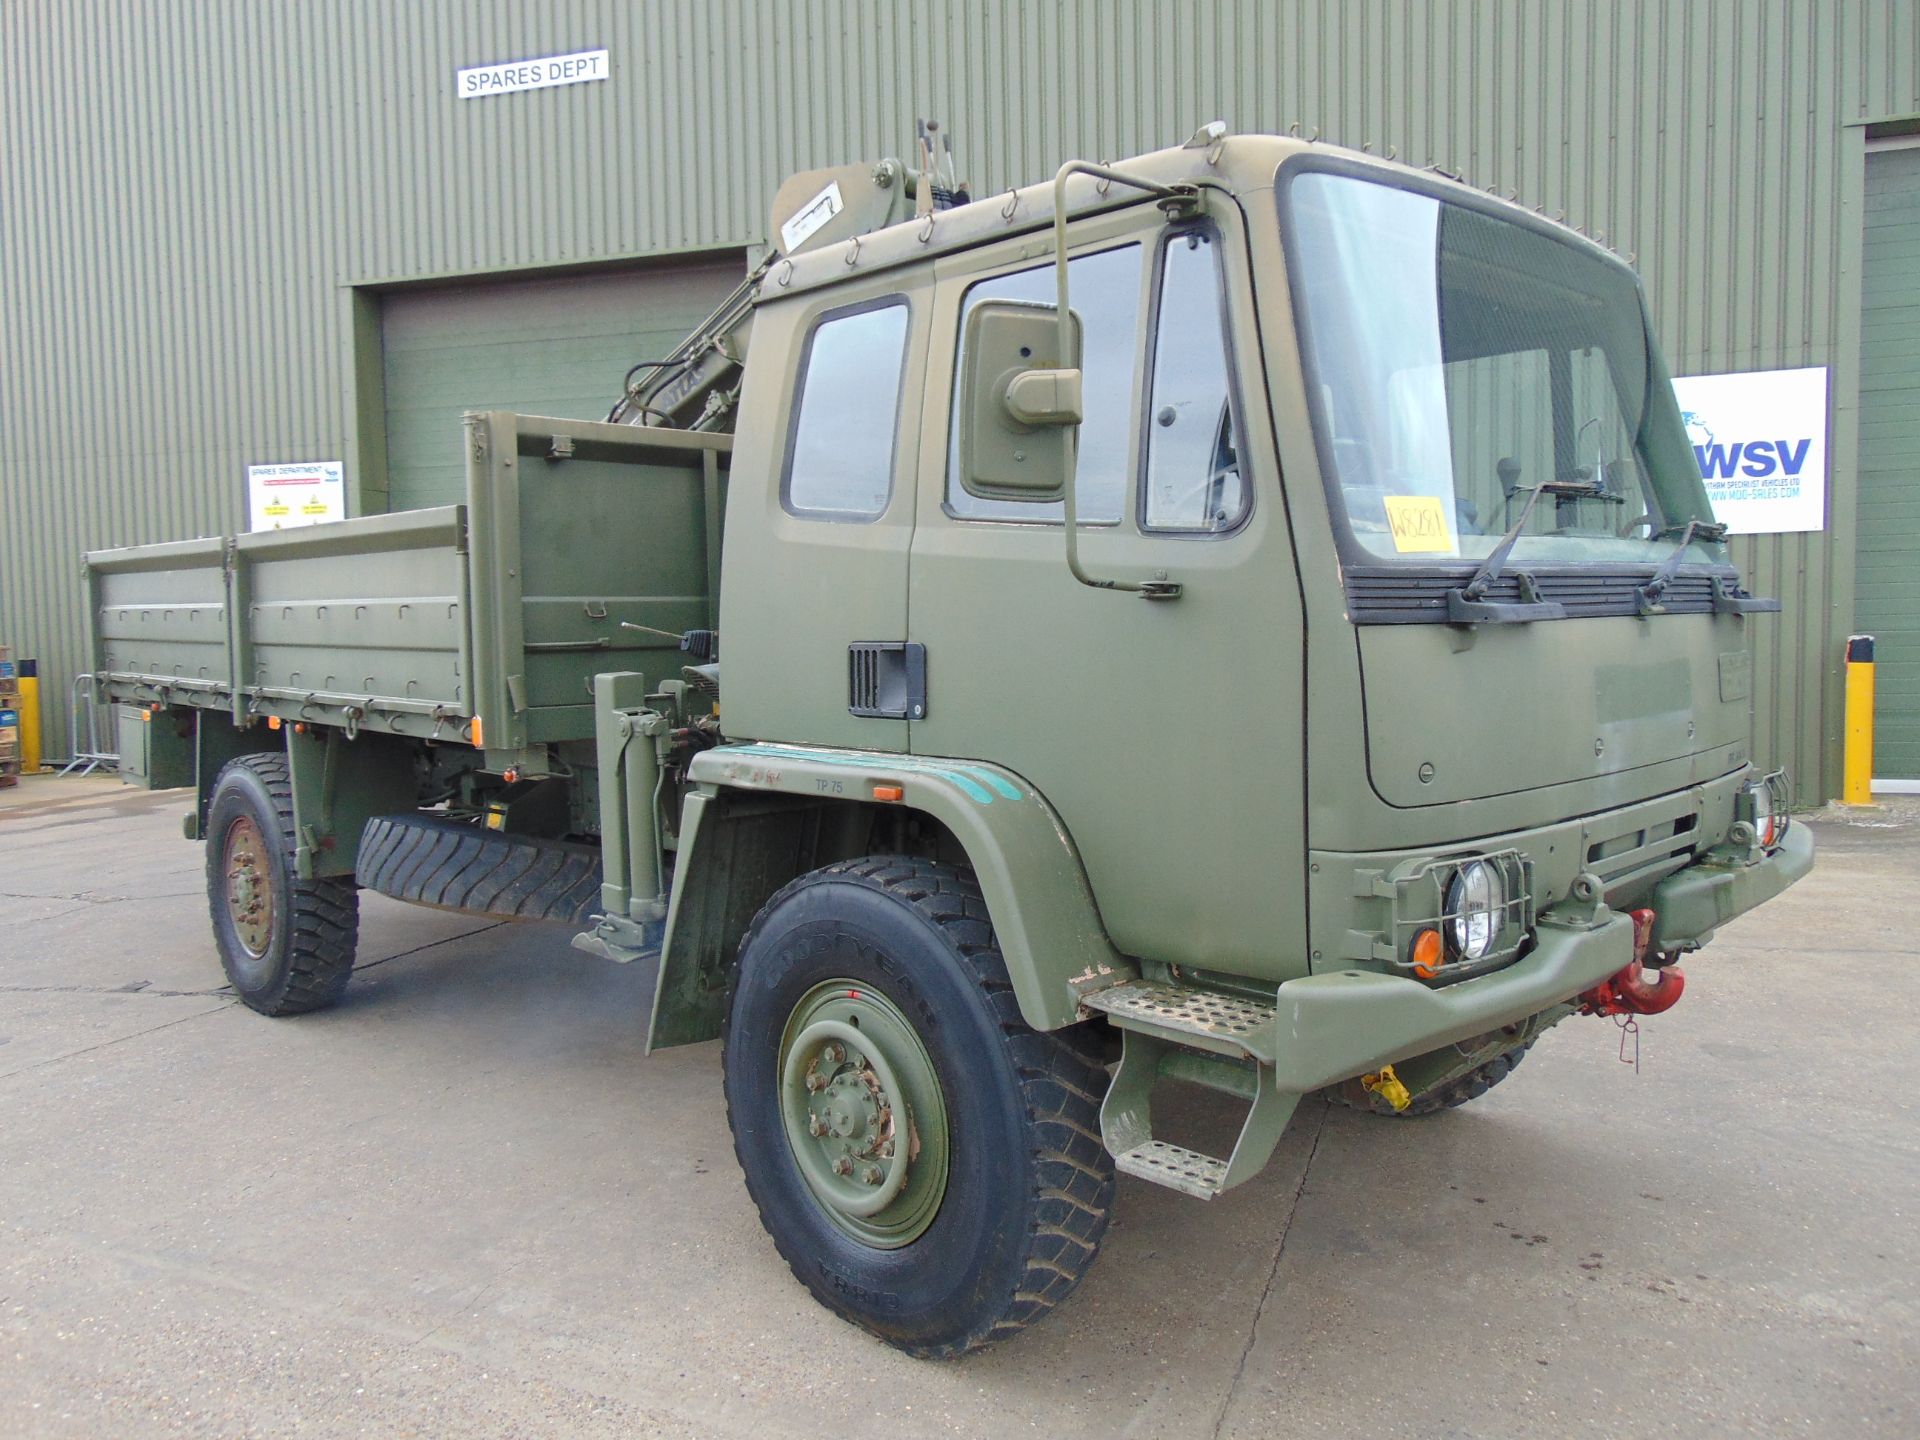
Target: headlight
x=1763, y=819
x=1764, y=805
x=1476, y=904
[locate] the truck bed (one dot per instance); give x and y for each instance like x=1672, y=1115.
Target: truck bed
x=499, y=610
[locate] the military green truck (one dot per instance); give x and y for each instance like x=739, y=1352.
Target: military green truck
x=1248, y=617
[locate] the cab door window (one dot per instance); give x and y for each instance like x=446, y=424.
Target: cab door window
x=1104, y=291
x=840, y=456
x=1193, y=477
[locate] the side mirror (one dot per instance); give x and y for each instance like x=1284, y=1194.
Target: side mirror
x=1020, y=401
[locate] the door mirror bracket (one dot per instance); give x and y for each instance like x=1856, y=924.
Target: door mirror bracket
x=1178, y=202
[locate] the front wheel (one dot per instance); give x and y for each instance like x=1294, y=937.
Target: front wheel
x=928, y=1165
x=286, y=943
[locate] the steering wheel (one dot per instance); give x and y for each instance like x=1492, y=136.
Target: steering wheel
x=1648, y=519
x=1207, y=495
x=1211, y=491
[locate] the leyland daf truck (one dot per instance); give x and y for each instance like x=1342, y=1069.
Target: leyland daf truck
x=1248, y=616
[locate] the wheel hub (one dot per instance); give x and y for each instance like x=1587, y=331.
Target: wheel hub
x=249, y=886
x=864, y=1113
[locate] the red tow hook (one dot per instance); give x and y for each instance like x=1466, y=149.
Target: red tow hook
x=1630, y=992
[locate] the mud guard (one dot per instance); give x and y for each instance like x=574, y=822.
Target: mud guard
x=1036, y=889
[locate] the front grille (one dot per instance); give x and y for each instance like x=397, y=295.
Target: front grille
x=1631, y=859
x=1397, y=595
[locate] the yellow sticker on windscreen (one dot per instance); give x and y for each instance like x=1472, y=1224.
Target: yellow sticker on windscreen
x=1419, y=525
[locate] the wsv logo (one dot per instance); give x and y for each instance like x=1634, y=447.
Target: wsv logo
x=1757, y=458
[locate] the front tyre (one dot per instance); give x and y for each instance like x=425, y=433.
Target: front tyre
x=286, y=943
x=928, y=1165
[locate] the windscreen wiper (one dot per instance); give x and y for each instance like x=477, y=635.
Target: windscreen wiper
x=1467, y=605
x=1648, y=595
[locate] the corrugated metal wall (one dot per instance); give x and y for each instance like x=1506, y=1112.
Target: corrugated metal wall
x=190, y=191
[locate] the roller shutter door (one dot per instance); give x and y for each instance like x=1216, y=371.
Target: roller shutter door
x=1887, y=582
x=555, y=346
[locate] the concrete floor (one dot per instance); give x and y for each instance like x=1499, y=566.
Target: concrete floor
x=463, y=1202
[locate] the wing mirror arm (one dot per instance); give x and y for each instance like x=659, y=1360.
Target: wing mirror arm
x=1179, y=201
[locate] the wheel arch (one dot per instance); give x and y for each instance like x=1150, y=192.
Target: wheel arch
x=760, y=815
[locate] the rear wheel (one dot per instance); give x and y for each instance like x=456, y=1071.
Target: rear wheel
x=928, y=1165
x=286, y=943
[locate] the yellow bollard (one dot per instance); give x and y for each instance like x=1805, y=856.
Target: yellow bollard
x=29, y=717
x=1856, y=766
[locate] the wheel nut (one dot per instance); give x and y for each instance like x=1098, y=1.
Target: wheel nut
x=830, y=1053
x=816, y=1081
x=816, y=1127
x=843, y=1166
x=871, y=1175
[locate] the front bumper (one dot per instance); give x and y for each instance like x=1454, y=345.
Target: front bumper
x=1689, y=905
x=1330, y=1027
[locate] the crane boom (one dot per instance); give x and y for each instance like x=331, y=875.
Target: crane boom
x=697, y=385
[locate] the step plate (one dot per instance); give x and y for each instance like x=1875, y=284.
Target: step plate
x=1175, y=1167
x=1166, y=1009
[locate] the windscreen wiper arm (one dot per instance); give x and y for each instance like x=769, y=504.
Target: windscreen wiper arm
x=1648, y=595
x=1466, y=606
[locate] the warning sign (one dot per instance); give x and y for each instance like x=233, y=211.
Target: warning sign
x=310, y=492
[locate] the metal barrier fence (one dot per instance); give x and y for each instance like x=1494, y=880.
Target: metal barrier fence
x=83, y=731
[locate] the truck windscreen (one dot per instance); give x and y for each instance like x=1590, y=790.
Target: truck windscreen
x=1459, y=361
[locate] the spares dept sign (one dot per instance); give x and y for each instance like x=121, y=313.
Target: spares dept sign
x=1760, y=439
x=477, y=81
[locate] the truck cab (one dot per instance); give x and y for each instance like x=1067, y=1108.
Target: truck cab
x=1317, y=405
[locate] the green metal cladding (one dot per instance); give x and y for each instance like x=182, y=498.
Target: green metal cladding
x=198, y=200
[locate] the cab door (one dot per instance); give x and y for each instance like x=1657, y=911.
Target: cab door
x=1167, y=734
x=820, y=515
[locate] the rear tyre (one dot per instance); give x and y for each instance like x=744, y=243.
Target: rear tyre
x=286, y=943
x=929, y=1166
x=1457, y=1091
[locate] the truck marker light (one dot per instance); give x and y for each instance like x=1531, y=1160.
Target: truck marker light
x=273, y=722
x=889, y=792
x=474, y=731
x=1428, y=954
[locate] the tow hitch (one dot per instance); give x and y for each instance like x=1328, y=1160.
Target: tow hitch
x=1631, y=991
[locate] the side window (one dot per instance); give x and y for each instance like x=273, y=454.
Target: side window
x=840, y=456
x=1193, y=461
x=1105, y=294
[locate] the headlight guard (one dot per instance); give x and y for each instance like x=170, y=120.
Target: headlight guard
x=1765, y=804
x=1426, y=896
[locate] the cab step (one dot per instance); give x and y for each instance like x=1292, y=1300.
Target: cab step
x=1220, y=1040
x=1201, y=1019
x=1176, y=1167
